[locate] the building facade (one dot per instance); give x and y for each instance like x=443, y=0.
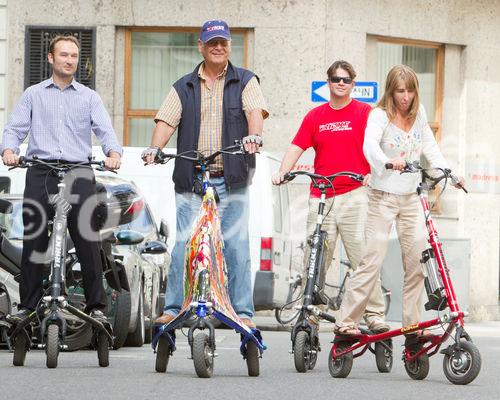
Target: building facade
x=3, y=59
x=136, y=49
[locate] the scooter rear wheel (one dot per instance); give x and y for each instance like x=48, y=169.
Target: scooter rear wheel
x=252, y=358
x=52, y=345
x=383, y=356
x=340, y=367
x=103, y=349
x=203, y=355
x=20, y=349
x=463, y=366
x=162, y=354
x=417, y=369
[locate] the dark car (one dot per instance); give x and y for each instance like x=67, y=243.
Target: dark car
x=145, y=260
x=135, y=261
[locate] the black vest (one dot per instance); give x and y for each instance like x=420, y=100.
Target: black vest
x=238, y=169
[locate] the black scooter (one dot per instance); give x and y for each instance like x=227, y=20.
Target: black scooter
x=49, y=316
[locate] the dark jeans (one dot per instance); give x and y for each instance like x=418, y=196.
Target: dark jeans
x=37, y=212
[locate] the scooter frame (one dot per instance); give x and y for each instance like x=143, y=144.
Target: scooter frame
x=204, y=271
x=304, y=334
x=418, y=349
x=52, y=303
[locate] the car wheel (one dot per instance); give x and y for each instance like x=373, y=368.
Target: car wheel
x=122, y=318
x=137, y=337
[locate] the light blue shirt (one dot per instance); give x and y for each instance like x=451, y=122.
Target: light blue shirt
x=60, y=123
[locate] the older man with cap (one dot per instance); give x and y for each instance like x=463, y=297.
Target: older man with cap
x=210, y=108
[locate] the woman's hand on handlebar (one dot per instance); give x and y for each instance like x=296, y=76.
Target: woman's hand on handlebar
x=397, y=164
x=10, y=158
x=458, y=181
x=252, y=143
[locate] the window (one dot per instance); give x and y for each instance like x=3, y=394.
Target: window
x=13, y=222
x=154, y=60
x=427, y=59
x=4, y=184
x=37, y=67
x=143, y=222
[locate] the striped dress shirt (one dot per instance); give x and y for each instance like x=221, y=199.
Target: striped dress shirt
x=60, y=123
x=210, y=139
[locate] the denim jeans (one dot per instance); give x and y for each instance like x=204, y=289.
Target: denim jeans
x=233, y=209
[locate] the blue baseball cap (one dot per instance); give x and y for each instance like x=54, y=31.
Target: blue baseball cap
x=214, y=29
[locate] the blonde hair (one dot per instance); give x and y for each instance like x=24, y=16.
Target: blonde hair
x=398, y=74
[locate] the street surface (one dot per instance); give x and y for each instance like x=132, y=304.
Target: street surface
x=131, y=374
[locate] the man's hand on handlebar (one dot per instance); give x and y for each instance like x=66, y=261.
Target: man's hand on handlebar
x=149, y=154
x=10, y=158
x=366, y=179
x=252, y=143
x=278, y=177
x=113, y=161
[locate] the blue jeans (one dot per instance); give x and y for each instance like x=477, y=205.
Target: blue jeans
x=234, y=210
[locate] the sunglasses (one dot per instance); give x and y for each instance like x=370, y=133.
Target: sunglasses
x=337, y=79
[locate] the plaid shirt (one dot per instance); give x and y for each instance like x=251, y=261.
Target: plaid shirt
x=210, y=139
x=60, y=123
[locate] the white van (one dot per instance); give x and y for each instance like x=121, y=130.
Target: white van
x=269, y=227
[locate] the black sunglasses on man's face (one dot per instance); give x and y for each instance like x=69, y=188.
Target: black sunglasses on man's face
x=337, y=79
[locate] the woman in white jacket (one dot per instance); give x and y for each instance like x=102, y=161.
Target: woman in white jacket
x=397, y=132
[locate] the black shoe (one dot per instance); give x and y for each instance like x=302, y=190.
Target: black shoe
x=20, y=316
x=98, y=315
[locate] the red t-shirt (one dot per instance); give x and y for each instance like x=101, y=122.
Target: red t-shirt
x=337, y=138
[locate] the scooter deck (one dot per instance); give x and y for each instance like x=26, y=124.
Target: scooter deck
x=168, y=330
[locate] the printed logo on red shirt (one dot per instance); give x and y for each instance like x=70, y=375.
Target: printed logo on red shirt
x=336, y=126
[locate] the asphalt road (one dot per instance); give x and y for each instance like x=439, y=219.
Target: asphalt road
x=131, y=374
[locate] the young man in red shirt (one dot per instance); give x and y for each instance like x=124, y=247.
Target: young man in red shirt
x=336, y=130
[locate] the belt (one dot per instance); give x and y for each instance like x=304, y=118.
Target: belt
x=216, y=174
x=59, y=161
x=213, y=174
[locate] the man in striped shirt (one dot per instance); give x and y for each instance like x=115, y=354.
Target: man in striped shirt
x=59, y=115
x=210, y=108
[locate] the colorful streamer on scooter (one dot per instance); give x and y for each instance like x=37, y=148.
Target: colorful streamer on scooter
x=204, y=252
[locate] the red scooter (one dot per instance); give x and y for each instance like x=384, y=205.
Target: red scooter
x=462, y=360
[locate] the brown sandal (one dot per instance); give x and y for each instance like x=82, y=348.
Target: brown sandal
x=424, y=333
x=346, y=331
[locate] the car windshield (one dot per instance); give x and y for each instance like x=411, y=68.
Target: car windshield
x=13, y=222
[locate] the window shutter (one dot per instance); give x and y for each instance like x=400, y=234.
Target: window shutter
x=37, y=67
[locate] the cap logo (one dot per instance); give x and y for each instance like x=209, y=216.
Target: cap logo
x=215, y=28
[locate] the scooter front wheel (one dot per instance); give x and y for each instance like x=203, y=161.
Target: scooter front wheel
x=20, y=349
x=52, y=345
x=162, y=354
x=304, y=353
x=340, y=367
x=252, y=358
x=203, y=355
x=462, y=366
